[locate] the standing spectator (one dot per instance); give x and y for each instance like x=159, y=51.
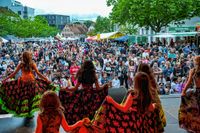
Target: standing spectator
x=73, y=70
x=122, y=70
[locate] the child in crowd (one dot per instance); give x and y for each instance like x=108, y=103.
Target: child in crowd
x=51, y=116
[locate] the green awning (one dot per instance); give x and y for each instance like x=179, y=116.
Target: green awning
x=184, y=34
x=182, y=29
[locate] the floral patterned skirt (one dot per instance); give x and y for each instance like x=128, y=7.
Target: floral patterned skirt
x=189, y=112
x=22, y=98
x=159, y=107
x=81, y=103
x=112, y=120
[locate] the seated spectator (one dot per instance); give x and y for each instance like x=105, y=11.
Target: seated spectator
x=66, y=82
x=161, y=88
x=174, y=86
x=116, y=82
x=104, y=78
x=167, y=87
x=181, y=83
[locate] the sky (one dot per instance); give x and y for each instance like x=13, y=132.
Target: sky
x=67, y=7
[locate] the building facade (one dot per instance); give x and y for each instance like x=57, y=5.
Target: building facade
x=56, y=20
x=188, y=25
x=18, y=8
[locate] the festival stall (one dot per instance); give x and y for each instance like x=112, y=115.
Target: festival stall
x=58, y=37
x=198, y=27
x=12, y=38
x=91, y=38
x=122, y=39
x=3, y=40
x=186, y=37
x=72, y=39
x=132, y=39
x=110, y=35
x=164, y=35
x=175, y=34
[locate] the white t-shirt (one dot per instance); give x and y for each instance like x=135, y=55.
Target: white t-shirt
x=174, y=86
x=145, y=54
x=115, y=83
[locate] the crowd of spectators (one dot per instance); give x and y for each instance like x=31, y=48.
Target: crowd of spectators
x=116, y=63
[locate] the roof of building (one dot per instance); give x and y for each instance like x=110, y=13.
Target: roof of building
x=53, y=15
x=76, y=28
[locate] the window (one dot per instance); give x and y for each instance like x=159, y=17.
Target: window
x=19, y=12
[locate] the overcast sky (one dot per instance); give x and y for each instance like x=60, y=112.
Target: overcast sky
x=70, y=6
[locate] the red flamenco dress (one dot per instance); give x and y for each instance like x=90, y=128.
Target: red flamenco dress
x=82, y=103
x=21, y=97
x=112, y=120
x=189, y=112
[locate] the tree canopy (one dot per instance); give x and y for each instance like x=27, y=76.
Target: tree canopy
x=103, y=24
x=88, y=23
x=12, y=24
x=128, y=29
x=153, y=13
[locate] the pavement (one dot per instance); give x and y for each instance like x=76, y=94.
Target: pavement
x=171, y=105
x=9, y=124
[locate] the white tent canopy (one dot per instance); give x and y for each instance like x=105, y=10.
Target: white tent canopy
x=164, y=35
x=116, y=34
x=72, y=39
x=3, y=40
x=107, y=35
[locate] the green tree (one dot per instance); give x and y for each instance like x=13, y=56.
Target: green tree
x=153, y=13
x=103, y=24
x=88, y=23
x=77, y=23
x=8, y=21
x=14, y=25
x=92, y=33
x=128, y=29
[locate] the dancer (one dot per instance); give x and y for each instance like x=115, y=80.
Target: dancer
x=21, y=97
x=51, y=116
x=84, y=99
x=154, y=89
x=189, y=112
x=137, y=115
